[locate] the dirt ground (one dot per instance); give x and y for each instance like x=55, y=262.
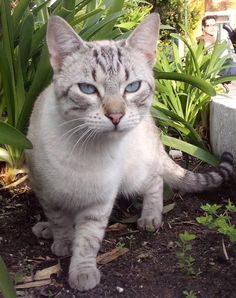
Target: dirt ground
x=148, y=269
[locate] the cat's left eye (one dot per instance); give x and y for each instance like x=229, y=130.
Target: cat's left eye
x=87, y=88
x=133, y=87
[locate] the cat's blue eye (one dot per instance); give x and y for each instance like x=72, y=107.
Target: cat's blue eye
x=133, y=87
x=87, y=88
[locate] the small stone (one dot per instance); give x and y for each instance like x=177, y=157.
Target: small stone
x=176, y=154
x=212, y=263
x=170, y=245
x=145, y=243
x=119, y=290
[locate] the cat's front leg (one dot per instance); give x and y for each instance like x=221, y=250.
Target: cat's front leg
x=151, y=216
x=60, y=224
x=89, y=232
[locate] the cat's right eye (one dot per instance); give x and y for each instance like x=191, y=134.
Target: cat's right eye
x=87, y=88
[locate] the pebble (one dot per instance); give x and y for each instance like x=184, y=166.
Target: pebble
x=212, y=263
x=176, y=154
x=170, y=245
x=119, y=289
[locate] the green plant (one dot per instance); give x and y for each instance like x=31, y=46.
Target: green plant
x=131, y=238
x=134, y=12
x=24, y=63
x=120, y=243
x=218, y=217
x=189, y=294
x=6, y=284
x=185, y=260
x=184, y=88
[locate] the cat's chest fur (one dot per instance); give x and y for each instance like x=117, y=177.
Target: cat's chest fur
x=107, y=165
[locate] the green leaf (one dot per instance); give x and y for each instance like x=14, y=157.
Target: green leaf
x=42, y=78
x=89, y=32
x=205, y=220
x=8, y=85
x=195, y=81
x=232, y=235
x=6, y=285
x=5, y=156
x=190, y=149
x=25, y=40
x=231, y=207
x=186, y=236
x=175, y=117
x=211, y=208
x=11, y=136
x=222, y=80
x=19, y=12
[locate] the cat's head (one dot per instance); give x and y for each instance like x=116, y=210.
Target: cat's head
x=107, y=85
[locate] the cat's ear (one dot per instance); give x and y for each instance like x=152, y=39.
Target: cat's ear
x=144, y=37
x=62, y=40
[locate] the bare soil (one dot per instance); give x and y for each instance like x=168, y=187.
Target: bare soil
x=148, y=269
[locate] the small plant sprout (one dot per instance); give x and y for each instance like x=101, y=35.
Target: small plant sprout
x=120, y=244
x=185, y=260
x=130, y=238
x=218, y=217
x=189, y=294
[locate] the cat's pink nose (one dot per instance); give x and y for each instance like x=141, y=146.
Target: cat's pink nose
x=115, y=118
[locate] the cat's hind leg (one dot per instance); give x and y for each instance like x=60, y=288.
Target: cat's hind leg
x=151, y=216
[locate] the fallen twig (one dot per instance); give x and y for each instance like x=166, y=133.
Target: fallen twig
x=224, y=250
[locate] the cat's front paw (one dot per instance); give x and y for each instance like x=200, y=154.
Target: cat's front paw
x=42, y=230
x=149, y=223
x=61, y=248
x=84, y=280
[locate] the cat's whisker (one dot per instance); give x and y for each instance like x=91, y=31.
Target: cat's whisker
x=90, y=137
x=80, y=138
x=72, y=131
x=70, y=121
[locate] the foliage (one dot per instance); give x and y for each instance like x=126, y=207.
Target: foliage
x=172, y=13
x=134, y=12
x=181, y=108
x=24, y=64
x=216, y=219
x=185, y=260
x=6, y=284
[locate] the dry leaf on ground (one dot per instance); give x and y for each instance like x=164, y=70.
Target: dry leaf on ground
x=111, y=255
x=116, y=227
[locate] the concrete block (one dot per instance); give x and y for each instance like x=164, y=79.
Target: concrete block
x=223, y=124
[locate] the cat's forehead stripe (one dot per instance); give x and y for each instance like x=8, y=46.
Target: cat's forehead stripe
x=109, y=58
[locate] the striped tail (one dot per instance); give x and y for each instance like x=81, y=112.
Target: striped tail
x=188, y=181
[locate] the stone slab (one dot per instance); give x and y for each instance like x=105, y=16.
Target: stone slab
x=223, y=124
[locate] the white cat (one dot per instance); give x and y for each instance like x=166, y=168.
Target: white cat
x=93, y=137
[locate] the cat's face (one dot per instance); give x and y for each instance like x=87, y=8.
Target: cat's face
x=107, y=85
